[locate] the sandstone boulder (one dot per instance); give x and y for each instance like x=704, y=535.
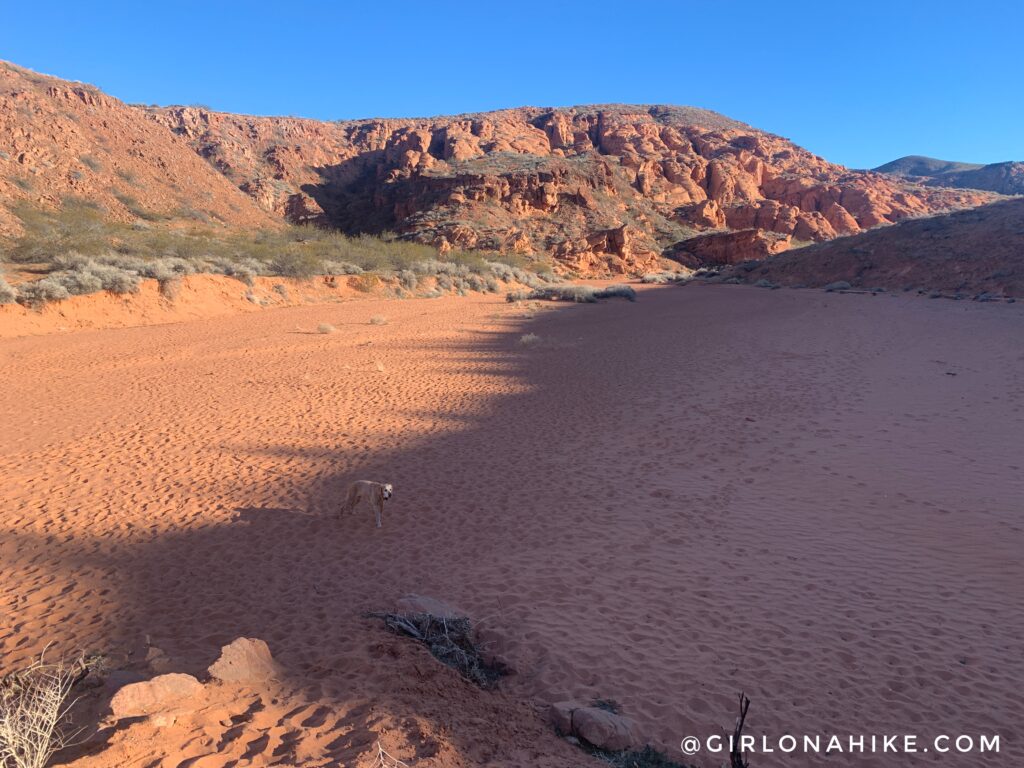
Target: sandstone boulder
x=245, y=660
x=157, y=695
x=598, y=727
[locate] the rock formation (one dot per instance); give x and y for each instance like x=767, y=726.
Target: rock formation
x=603, y=189
x=607, y=189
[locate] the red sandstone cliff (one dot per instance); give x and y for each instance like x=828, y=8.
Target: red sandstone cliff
x=600, y=189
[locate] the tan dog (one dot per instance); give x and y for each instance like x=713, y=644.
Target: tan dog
x=367, y=492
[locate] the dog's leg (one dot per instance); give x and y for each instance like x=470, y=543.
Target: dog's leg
x=379, y=506
x=349, y=504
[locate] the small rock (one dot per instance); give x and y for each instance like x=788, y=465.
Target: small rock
x=158, y=661
x=598, y=727
x=156, y=695
x=245, y=660
x=561, y=715
x=603, y=729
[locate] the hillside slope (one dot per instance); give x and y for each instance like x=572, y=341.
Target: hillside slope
x=60, y=139
x=1004, y=178
x=966, y=253
x=601, y=188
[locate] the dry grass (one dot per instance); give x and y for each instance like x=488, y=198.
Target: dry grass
x=378, y=320
x=529, y=340
x=326, y=328
x=385, y=760
x=34, y=711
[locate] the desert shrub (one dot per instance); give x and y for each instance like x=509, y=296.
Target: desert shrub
x=510, y=274
x=281, y=290
x=33, y=712
x=127, y=176
x=78, y=226
x=366, y=282
x=433, y=294
x=408, y=279
x=502, y=272
x=8, y=295
x=113, y=279
x=763, y=283
x=39, y=292
x=582, y=294
x=617, y=291
x=90, y=162
x=491, y=285
x=325, y=328
x=663, y=278
x=450, y=640
x=529, y=340
x=435, y=267
x=84, y=277
x=170, y=287
x=296, y=263
x=245, y=270
x=472, y=262
x=378, y=320
x=577, y=293
x=341, y=268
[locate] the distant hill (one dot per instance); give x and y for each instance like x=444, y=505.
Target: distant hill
x=1005, y=178
x=919, y=165
x=966, y=253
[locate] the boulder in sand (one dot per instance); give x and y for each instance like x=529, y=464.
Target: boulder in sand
x=245, y=660
x=157, y=695
x=594, y=725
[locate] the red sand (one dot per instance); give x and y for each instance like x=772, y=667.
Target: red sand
x=712, y=490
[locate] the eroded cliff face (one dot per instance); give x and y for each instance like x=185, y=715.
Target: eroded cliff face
x=602, y=189
x=608, y=189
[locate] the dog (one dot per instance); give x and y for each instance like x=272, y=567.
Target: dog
x=367, y=492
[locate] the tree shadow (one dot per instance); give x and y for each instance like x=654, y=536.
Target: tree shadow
x=301, y=577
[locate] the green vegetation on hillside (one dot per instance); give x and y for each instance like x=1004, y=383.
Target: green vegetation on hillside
x=78, y=251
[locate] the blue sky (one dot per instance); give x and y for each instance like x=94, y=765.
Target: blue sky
x=860, y=83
